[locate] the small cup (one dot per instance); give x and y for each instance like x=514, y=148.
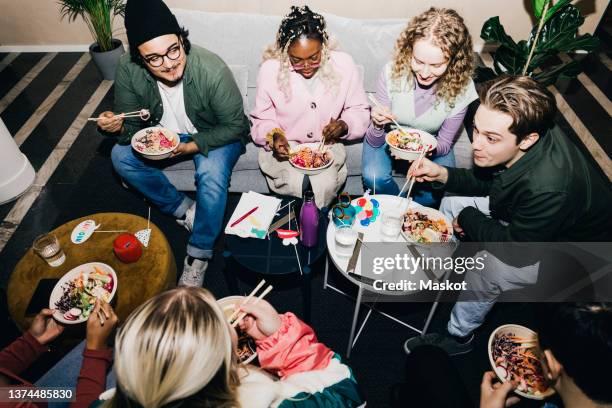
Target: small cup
x=47, y=246
x=345, y=238
x=390, y=225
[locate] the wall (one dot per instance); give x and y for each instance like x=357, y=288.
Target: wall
x=36, y=22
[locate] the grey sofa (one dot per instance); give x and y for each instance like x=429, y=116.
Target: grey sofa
x=240, y=40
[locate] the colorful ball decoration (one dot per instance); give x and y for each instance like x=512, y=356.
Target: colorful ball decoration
x=367, y=210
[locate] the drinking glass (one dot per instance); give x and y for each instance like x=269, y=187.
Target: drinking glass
x=391, y=225
x=47, y=246
x=345, y=238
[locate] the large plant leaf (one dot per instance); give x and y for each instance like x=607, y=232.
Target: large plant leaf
x=509, y=61
x=493, y=32
x=568, y=70
x=556, y=7
x=538, y=7
x=560, y=30
x=560, y=35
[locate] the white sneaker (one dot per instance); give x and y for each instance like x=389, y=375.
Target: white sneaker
x=189, y=217
x=193, y=275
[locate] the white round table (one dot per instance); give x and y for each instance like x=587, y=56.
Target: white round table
x=371, y=234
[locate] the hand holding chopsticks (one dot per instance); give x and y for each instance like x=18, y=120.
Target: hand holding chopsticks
x=377, y=104
x=143, y=114
x=411, y=178
x=237, y=316
x=100, y=325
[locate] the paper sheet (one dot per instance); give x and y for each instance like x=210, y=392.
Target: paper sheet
x=255, y=225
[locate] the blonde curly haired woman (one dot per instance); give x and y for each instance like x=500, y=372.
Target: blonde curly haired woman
x=306, y=90
x=426, y=86
x=177, y=350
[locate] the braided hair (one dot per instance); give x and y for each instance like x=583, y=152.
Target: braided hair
x=301, y=22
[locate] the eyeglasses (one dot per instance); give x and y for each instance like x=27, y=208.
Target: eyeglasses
x=301, y=67
x=157, y=61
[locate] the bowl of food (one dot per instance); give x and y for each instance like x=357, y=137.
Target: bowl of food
x=409, y=144
x=426, y=225
x=155, y=143
x=309, y=160
x=514, y=354
x=75, y=294
x=246, y=349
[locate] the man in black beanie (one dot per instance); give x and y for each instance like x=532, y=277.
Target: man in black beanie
x=192, y=92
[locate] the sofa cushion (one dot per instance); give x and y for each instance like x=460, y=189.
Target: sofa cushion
x=240, y=38
x=241, y=76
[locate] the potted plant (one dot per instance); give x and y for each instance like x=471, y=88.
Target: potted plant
x=99, y=16
x=555, y=32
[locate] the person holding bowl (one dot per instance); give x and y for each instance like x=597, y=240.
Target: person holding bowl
x=177, y=349
x=427, y=86
x=306, y=91
x=192, y=92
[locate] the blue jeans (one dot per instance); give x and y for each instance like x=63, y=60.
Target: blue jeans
x=377, y=163
x=65, y=374
x=212, y=178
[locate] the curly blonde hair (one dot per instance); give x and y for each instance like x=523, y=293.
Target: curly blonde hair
x=446, y=29
x=301, y=22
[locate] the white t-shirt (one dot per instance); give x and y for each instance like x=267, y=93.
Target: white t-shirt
x=174, y=117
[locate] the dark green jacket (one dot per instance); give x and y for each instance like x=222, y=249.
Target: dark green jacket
x=212, y=100
x=552, y=193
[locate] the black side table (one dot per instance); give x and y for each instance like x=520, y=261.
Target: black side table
x=269, y=257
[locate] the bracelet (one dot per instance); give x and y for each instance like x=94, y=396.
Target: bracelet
x=270, y=135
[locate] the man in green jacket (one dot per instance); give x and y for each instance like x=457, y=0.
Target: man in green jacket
x=192, y=92
x=539, y=188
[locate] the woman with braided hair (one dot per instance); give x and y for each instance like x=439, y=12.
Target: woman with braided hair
x=427, y=86
x=306, y=91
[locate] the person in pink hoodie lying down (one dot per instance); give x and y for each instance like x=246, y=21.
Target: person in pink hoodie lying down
x=306, y=91
x=177, y=349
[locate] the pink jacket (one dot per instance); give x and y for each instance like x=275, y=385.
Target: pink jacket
x=294, y=348
x=304, y=116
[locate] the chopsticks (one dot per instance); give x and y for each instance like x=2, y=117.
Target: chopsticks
x=321, y=143
x=237, y=315
x=102, y=315
x=143, y=114
x=412, y=179
x=375, y=102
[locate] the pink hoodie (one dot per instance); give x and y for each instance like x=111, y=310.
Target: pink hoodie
x=304, y=116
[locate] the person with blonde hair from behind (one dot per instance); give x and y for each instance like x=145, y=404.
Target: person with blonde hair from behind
x=427, y=86
x=306, y=91
x=177, y=349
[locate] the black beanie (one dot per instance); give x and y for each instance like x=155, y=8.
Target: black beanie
x=148, y=19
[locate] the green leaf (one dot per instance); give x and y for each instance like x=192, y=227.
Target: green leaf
x=493, y=32
x=560, y=33
x=567, y=70
x=556, y=7
x=98, y=16
x=538, y=7
x=509, y=61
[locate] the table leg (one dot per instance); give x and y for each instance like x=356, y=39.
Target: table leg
x=354, y=324
x=306, y=293
x=230, y=277
x=326, y=271
x=432, y=311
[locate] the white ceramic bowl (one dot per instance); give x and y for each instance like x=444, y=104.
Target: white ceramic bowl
x=227, y=305
x=58, y=290
x=161, y=155
x=521, y=331
x=426, y=139
x=432, y=214
x=311, y=172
